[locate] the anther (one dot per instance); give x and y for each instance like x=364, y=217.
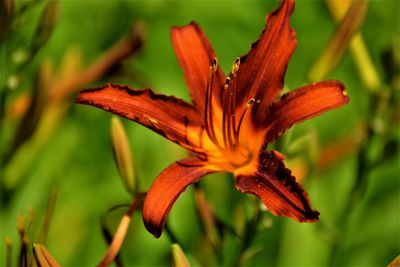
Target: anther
x=251, y=102
x=235, y=66
x=214, y=64
x=227, y=82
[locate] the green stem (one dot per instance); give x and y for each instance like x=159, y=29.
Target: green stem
x=8, y=252
x=358, y=190
x=172, y=237
x=250, y=233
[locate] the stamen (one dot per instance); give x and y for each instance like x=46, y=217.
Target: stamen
x=248, y=105
x=229, y=107
x=250, y=102
x=233, y=130
x=233, y=116
x=235, y=66
x=225, y=108
x=214, y=64
x=228, y=119
x=208, y=111
x=227, y=82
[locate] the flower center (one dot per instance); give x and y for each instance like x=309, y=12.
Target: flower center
x=223, y=125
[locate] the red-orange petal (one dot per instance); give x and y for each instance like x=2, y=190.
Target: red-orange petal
x=278, y=189
x=195, y=55
x=262, y=70
x=166, y=188
x=301, y=104
x=166, y=115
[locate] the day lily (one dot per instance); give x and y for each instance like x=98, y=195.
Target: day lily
x=231, y=121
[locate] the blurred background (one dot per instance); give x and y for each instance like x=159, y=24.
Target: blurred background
x=59, y=177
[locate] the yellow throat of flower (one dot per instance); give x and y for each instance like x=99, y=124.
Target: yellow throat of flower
x=230, y=143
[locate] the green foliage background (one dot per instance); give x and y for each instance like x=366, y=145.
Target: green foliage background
x=77, y=158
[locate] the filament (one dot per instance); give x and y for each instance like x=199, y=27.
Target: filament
x=208, y=110
x=249, y=104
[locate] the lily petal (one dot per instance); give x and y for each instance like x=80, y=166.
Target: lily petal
x=301, y=104
x=166, y=188
x=278, y=189
x=195, y=55
x=262, y=70
x=166, y=115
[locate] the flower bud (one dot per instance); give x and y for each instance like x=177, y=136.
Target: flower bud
x=180, y=259
x=9, y=245
x=32, y=116
x=339, y=41
x=395, y=262
x=6, y=16
x=46, y=25
x=207, y=217
x=43, y=257
x=21, y=224
x=359, y=50
x=122, y=155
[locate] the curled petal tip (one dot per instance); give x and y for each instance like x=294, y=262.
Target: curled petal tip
x=154, y=229
x=342, y=87
x=310, y=216
x=166, y=189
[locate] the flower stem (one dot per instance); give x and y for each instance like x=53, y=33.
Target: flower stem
x=120, y=234
x=249, y=234
x=8, y=252
x=359, y=188
x=355, y=195
x=171, y=235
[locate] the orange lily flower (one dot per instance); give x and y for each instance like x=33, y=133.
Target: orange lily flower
x=231, y=121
